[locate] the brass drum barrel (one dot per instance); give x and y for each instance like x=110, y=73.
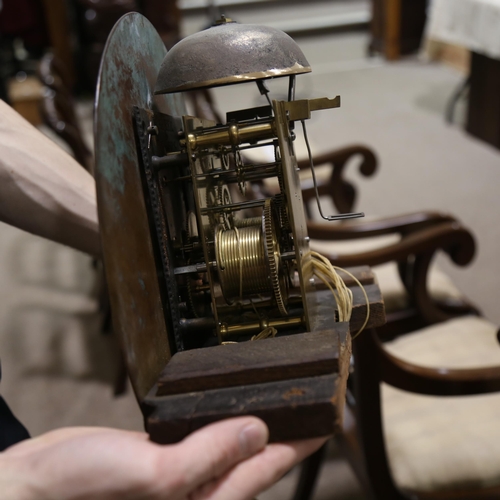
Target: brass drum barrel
x=241, y=262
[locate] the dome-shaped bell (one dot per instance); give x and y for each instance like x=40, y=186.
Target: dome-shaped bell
x=229, y=53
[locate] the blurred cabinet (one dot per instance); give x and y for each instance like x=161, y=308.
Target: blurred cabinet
x=397, y=26
x=483, y=119
x=57, y=24
x=95, y=19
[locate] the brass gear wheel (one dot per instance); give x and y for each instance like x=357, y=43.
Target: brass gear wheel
x=218, y=195
x=283, y=208
x=225, y=199
x=212, y=200
x=239, y=167
x=272, y=250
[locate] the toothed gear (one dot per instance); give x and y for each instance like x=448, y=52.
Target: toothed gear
x=218, y=195
x=212, y=200
x=283, y=208
x=285, y=242
x=212, y=195
x=190, y=298
x=279, y=200
x=225, y=199
x=224, y=159
x=273, y=258
x=240, y=174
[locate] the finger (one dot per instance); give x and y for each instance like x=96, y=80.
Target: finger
x=259, y=472
x=210, y=452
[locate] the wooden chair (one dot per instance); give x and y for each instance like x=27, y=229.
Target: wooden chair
x=417, y=238
x=403, y=445
x=422, y=420
x=401, y=248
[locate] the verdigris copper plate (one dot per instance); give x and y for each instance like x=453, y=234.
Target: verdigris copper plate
x=129, y=68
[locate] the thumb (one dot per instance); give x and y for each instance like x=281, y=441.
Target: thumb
x=210, y=452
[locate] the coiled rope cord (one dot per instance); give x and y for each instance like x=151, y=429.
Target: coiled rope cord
x=327, y=273
x=266, y=333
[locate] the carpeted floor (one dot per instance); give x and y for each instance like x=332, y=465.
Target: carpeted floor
x=58, y=369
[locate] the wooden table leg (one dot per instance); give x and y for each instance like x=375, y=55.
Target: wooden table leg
x=483, y=120
x=392, y=32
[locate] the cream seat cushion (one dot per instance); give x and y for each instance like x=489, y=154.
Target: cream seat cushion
x=395, y=296
x=436, y=443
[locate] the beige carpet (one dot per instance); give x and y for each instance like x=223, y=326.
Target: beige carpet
x=57, y=367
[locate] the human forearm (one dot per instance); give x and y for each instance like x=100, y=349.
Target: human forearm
x=14, y=483
x=42, y=189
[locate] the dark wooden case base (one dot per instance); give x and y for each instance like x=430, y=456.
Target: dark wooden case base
x=295, y=383
x=292, y=409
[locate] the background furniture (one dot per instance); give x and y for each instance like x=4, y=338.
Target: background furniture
x=57, y=109
x=94, y=20
x=421, y=237
x=401, y=248
x=483, y=118
x=397, y=26
x=474, y=24
x=74, y=31
x=404, y=445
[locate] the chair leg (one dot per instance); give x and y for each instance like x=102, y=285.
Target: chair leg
x=366, y=379
x=309, y=473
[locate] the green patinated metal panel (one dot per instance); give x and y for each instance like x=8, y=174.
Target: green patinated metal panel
x=129, y=67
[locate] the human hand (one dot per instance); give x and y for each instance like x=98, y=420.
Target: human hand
x=226, y=460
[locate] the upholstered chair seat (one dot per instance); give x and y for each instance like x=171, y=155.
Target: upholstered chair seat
x=441, y=443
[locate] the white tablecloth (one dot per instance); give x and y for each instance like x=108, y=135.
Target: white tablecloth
x=474, y=24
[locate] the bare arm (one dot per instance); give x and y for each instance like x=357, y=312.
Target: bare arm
x=43, y=190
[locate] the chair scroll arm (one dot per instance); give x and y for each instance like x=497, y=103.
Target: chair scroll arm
x=450, y=237
x=401, y=224
x=414, y=254
x=437, y=381
x=342, y=192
